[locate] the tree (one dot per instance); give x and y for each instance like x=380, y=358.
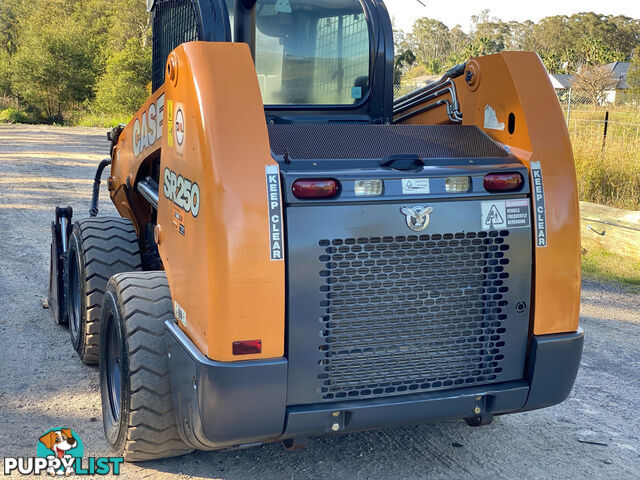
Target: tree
x=5, y=74
x=404, y=58
x=125, y=85
x=594, y=81
x=129, y=19
x=633, y=77
x=521, y=36
x=9, y=17
x=401, y=64
x=54, y=67
x=596, y=52
x=429, y=41
x=489, y=34
x=458, y=42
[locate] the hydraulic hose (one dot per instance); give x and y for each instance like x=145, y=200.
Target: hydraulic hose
x=93, y=211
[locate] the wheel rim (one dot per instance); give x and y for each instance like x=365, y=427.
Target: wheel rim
x=114, y=368
x=74, y=296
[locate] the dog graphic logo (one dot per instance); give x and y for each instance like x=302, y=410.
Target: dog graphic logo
x=60, y=452
x=417, y=218
x=63, y=444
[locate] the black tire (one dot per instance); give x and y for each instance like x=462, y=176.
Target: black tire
x=98, y=249
x=56, y=290
x=133, y=354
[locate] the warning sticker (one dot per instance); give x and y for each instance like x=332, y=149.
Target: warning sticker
x=170, y=123
x=505, y=214
x=415, y=186
x=491, y=119
x=180, y=314
x=177, y=222
x=275, y=212
x=539, y=206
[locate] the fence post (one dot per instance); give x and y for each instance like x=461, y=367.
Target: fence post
x=606, y=127
x=569, y=107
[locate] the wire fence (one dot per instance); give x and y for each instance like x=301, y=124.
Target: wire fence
x=610, y=120
x=605, y=134
x=402, y=90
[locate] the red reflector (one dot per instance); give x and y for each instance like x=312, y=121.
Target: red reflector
x=315, y=188
x=247, y=347
x=503, y=182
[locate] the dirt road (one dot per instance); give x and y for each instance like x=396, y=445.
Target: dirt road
x=594, y=434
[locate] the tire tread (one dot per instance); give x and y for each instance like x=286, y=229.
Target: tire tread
x=109, y=246
x=146, y=303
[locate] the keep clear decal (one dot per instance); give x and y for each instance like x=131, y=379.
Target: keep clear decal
x=505, y=214
x=275, y=213
x=539, y=206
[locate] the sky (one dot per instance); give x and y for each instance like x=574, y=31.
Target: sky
x=452, y=13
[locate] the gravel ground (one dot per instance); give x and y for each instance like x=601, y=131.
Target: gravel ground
x=594, y=434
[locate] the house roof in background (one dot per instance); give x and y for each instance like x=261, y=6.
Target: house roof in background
x=620, y=70
x=561, y=81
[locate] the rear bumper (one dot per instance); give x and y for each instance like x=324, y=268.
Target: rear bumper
x=222, y=405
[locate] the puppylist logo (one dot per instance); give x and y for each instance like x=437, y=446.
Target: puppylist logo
x=60, y=452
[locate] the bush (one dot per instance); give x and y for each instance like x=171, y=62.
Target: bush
x=7, y=101
x=56, y=63
x=125, y=85
x=13, y=115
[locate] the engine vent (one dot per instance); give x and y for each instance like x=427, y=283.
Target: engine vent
x=412, y=313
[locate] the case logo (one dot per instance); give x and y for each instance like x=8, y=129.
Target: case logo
x=417, y=218
x=148, y=129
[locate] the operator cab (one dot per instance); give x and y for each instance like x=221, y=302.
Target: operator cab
x=317, y=61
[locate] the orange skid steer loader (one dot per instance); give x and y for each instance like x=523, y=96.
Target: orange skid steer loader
x=298, y=254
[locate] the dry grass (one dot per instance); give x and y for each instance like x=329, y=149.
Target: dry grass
x=605, y=265
x=609, y=175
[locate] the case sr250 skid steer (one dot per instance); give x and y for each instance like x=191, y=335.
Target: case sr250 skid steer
x=297, y=254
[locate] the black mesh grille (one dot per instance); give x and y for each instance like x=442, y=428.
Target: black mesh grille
x=412, y=314
x=380, y=141
x=174, y=23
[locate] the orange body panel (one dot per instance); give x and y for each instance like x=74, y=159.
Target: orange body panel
x=135, y=138
x=517, y=82
x=214, y=232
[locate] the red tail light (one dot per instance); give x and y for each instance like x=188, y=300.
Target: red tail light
x=247, y=347
x=315, y=188
x=503, y=182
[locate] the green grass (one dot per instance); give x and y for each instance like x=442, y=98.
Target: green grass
x=103, y=121
x=601, y=264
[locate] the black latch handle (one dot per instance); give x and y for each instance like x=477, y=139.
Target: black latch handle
x=403, y=162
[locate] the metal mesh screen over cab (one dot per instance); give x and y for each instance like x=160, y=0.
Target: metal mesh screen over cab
x=174, y=22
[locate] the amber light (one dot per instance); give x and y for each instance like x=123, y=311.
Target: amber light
x=247, y=347
x=315, y=188
x=503, y=182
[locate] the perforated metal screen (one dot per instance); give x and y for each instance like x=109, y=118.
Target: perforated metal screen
x=302, y=141
x=412, y=313
x=174, y=23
